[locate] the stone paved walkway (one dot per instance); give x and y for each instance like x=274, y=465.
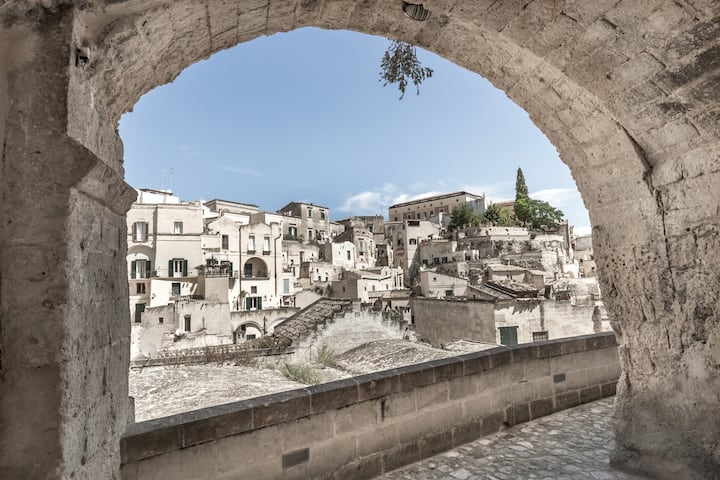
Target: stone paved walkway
x=574, y=444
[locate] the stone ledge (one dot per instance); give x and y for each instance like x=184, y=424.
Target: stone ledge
x=159, y=436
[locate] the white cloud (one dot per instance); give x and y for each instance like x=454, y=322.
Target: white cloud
x=365, y=202
x=496, y=192
x=242, y=171
x=408, y=197
x=377, y=201
x=558, y=197
x=581, y=231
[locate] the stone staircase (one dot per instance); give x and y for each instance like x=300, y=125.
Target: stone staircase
x=311, y=317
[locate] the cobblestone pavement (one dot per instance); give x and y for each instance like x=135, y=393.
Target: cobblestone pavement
x=574, y=444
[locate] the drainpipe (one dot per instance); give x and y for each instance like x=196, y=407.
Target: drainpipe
x=275, y=262
x=241, y=270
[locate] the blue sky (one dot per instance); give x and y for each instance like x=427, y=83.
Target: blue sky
x=301, y=116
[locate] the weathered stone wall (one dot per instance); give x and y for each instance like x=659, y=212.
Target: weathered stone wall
x=346, y=331
x=443, y=321
x=214, y=317
x=360, y=427
x=64, y=346
x=626, y=91
x=558, y=319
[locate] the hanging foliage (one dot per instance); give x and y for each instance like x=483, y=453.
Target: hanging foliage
x=400, y=65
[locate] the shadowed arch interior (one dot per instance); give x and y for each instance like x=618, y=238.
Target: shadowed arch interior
x=626, y=91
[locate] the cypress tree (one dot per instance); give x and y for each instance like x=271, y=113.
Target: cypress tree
x=521, y=189
x=522, y=198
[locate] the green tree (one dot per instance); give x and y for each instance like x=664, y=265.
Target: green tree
x=522, y=197
x=400, y=64
x=521, y=189
x=543, y=215
x=501, y=217
x=463, y=216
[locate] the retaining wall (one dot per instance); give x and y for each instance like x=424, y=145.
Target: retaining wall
x=360, y=427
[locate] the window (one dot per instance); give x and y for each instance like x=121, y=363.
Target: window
x=412, y=241
x=286, y=285
x=140, y=269
x=187, y=322
x=292, y=232
x=540, y=336
x=140, y=288
x=178, y=267
x=176, y=289
x=253, y=290
x=178, y=228
x=362, y=246
x=225, y=239
x=139, y=309
x=140, y=231
x=310, y=233
x=251, y=243
x=160, y=320
x=348, y=255
x=266, y=244
x=508, y=335
x=253, y=303
x=322, y=215
x=309, y=210
x=250, y=336
x=449, y=293
x=248, y=270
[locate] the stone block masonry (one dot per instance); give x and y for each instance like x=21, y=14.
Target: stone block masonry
x=360, y=427
x=625, y=90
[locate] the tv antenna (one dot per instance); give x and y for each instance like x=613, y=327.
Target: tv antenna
x=169, y=173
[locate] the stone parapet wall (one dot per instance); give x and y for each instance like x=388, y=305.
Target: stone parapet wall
x=210, y=354
x=360, y=427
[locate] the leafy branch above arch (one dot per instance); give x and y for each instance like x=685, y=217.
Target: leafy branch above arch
x=401, y=65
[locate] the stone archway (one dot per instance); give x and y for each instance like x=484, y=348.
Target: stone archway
x=627, y=91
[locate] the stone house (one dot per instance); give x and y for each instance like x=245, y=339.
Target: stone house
x=364, y=241
x=368, y=283
x=164, y=238
x=305, y=222
x=262, y=280
x=405, y=237
x=439, y=285
x=426, y=208
x=320, y=272
x=339, y=253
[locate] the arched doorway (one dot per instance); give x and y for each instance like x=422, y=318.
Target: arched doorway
x=626, y=91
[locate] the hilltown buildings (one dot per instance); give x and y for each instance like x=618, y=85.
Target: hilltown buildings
x=237, y=260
